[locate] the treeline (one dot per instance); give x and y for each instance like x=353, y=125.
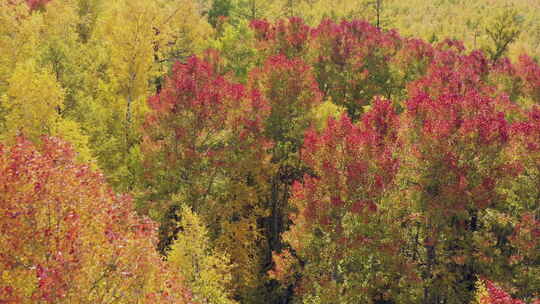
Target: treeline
x=285, y=161
x=489, y=25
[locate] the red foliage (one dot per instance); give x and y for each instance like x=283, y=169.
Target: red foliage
x=62, y=228
x=290, y=88
x=287, y=37
x=527, y=133
x=208, y=105
x=497, y=295
x=458, y=121
x=529, y=72
x=352, y=62
x=290, y=81
x=454, y=138
x=37, y=4
x=351, y=162
x=353, y=165
x=205, y=133
x=526, y=235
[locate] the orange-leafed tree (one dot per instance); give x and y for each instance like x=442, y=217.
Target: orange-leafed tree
x=67, y=238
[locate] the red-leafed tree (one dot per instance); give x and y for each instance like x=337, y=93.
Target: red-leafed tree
x=67, y=238
x=352, y=63
x=292, y=93
x=458, y=162
x=529, y=73
x=204, y=147
x=351, y=60
x=524, y=206
x=456, y=198
x=430, y=181
x=290, y=37
x=454, y=159
x=340, y=234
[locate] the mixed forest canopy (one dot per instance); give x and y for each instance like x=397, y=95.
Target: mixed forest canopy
x=270, y=151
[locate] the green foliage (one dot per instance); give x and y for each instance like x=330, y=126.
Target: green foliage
x=502, y=30
x=219, y=9
x=236, y=43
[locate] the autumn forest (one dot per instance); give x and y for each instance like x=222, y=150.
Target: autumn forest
x=270, y=151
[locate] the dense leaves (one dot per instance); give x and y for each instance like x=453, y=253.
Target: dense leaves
x=283, y=160
x=204, y=148
x=67, y=238
x=338, y=225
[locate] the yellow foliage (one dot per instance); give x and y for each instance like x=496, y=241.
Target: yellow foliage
x=70, y=131
x=481, y=296
x=59, y=20
x=239, y=239
x=23, y=281
x=466, y=21
x=322, y=112
x=126, y=29
x=134, y=44
x=33, y=102
x=19, y=33
x=182, y=30
x=207, y=272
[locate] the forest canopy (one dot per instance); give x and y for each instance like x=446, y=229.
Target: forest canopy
x=270, y=151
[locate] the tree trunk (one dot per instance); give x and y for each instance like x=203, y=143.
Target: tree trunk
x=430, y=293
x=378, y=13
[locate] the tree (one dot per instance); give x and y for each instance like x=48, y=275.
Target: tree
x=19, y=36
x=488, y=293
x=220, y=9
x=288, y=37
x=37, y=4
x=236, y=44
x=528, y=72
x=206, y=273
x=502, y=30
x=134, y=45
x=378, y=10
x=292, y=92
x=254, y=9
x=33, y=103
x=522, y=209
x=67, y=238
x=341, y=236
x=204, y=148
x=454, y=164
x=128, y=32
x=289, y=86
x=352, y=64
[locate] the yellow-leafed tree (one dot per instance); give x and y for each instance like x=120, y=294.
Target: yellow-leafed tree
x=33, y=103
x=18, y=36
x=207, y=273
